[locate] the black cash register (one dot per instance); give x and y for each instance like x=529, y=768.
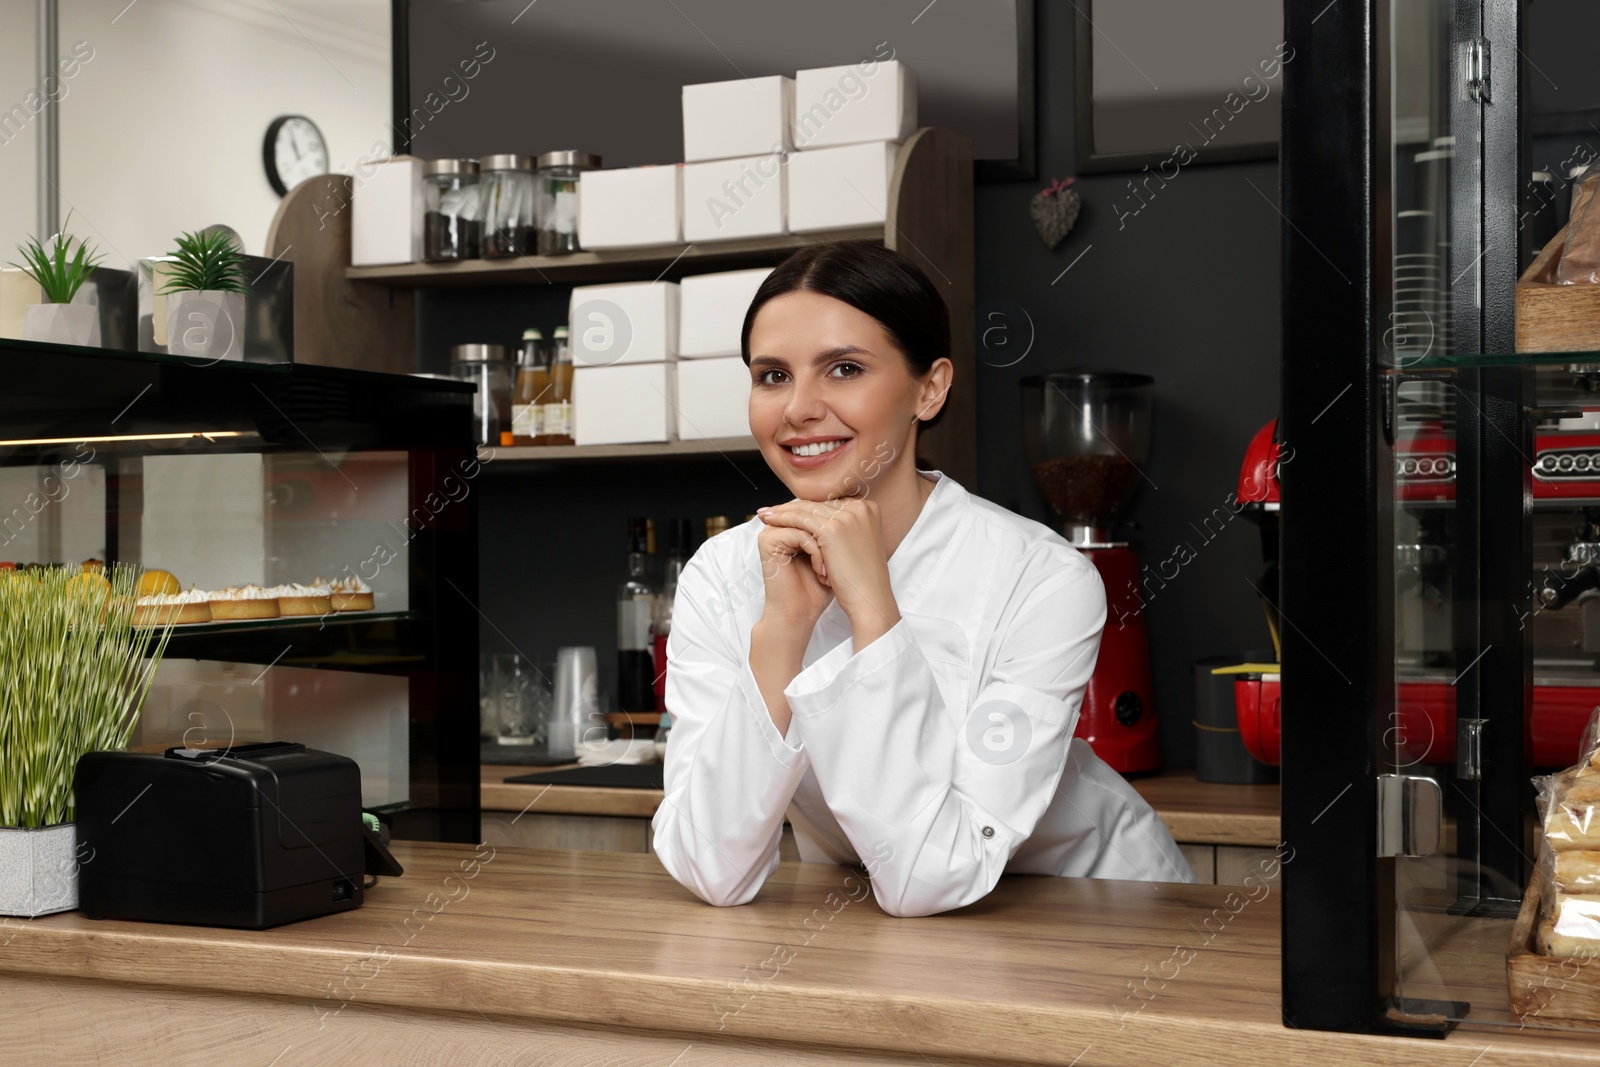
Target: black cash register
x=248, y=836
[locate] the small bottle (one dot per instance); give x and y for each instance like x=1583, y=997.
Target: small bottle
x=635, y=598
x=661, y=626
x=557, y=423
x=533, y=383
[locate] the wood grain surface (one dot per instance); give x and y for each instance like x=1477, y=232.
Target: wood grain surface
x=336, y=323
x=510, y=941
x=1196, y=812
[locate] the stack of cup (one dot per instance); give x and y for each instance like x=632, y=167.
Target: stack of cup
x=576, y=714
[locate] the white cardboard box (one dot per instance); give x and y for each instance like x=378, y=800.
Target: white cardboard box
x=386, y=214
x=632, y=207
x=633, y=322
x=870, y=101
x=733, y=198
x=713, y=398
x=627, y=404
x=711, y=311
x=836, y=188
x=17, y=291
x=747, y=117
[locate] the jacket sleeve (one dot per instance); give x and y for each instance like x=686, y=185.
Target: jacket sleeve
x=937, y=799
x=729, y=774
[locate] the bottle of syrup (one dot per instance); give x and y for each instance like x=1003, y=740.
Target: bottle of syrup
x=533, y=385
x=558, y=401
x=677, y=556
x=635, y=603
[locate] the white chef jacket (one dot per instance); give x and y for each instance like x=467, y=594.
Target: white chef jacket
x=939, y=757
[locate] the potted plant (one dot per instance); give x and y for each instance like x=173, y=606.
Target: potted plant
x=205, y=291
x=74, y=673
x=60, y=269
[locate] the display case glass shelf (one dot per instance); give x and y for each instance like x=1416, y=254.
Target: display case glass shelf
x=228, y=475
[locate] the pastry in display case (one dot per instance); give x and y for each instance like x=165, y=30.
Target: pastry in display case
x=280, y=516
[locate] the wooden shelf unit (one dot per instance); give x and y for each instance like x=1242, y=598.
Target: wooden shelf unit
x=365, y=316
x=617, y=265
x=732, y=447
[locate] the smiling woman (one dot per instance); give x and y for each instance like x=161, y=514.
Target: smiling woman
x=895, y=663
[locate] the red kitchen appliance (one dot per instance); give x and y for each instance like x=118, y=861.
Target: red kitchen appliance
x=1563, y=612
x=1087, y=436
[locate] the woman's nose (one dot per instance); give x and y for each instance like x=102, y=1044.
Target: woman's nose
x=805, y=403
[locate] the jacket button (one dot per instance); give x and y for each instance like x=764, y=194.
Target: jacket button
x=988, y=831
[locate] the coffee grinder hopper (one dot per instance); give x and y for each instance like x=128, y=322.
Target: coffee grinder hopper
x=1087, y=438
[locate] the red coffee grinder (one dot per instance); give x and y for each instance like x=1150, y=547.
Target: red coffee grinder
x=1087, y=437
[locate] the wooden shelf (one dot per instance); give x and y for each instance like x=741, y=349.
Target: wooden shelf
x=366, y=316
x=732, y=447
x=621, y=264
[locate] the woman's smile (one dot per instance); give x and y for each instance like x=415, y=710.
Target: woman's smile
x=807, y=453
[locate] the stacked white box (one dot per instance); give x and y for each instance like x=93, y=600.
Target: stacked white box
x=870, y=101
x=711, y=311
x=633, y=322
x=713, y=398
x=733, y=198
x=386, y=213
x=746, y=117
x=630, y=403
x=633, y=207
x=18, y=290
x=837, y=188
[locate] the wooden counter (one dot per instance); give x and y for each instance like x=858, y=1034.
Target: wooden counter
x=1225, y=831
x=580, y=958
x=1196, y=812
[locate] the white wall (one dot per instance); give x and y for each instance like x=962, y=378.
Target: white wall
x=17, y=152
x=161, y=130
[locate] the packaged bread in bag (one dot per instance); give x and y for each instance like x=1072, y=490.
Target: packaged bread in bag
x=1568, y=868
x=1580, y=249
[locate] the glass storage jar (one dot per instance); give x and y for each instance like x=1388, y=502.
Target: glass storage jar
x=452, y=221
x=493, y=370
x=507, y=186
x=558, y=199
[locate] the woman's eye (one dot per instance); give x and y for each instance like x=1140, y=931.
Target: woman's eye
x=762, y=379
x=852, y=369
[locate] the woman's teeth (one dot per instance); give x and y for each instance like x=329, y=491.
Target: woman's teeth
x=815, y=449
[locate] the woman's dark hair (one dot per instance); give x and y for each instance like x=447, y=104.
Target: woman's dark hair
x=873, y=279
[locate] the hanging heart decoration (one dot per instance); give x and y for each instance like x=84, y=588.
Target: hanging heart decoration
x=1054, y=210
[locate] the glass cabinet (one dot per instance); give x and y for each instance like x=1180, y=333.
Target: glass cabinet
x=347, y=496
x=1441, y=520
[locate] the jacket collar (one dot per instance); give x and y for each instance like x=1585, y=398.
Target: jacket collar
x=931, y=534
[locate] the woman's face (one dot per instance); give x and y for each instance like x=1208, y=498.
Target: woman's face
x=826, y=376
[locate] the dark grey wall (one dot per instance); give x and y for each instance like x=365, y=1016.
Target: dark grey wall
x=1186, y=291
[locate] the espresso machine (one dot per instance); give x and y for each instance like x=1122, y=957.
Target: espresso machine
x=1087, y=438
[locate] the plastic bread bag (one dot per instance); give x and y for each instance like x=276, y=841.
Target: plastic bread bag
x=1573, y=928
x=1543, y=878
x=1570, y=801
x=1579, y=263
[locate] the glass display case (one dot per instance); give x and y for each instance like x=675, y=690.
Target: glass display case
x=229, y=475
x=1457, y=481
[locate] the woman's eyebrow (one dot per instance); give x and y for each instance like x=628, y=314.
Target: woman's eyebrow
x=820, y=357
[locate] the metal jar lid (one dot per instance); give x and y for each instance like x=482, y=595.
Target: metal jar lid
x=569, y=158
x=506, y=162
x=477, y=353
x=436, y=167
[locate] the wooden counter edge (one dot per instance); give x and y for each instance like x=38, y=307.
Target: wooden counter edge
x=1193, y=827
x=834, y=1016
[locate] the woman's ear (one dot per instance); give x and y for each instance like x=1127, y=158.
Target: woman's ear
x=935, y=388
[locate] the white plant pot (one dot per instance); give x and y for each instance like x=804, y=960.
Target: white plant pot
x=62, y=324
x=38, y=870
x=207, y=324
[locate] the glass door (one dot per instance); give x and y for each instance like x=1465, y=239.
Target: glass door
x=1444, y=903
